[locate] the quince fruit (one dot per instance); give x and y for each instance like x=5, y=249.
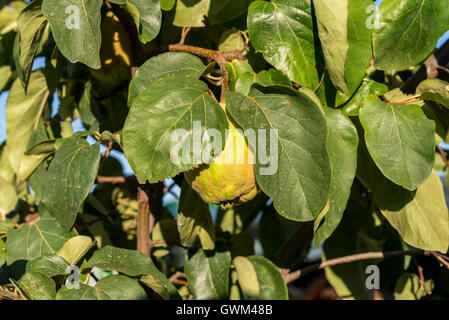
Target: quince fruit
x=229, y=179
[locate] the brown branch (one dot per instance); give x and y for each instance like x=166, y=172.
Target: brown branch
x=359, y=257
x=116, y=179
x=443, y=155
x=149, y=201
x=143, y=219
x=108, y=150
x=184, y=33
x=422, y=281
x=218, y=56
x=8, y=295
x=176, y=276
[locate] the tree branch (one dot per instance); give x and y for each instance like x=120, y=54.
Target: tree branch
x=8, y=295
x=143, y=219
x=218, y=56
x=116, y=180
x=149, y=201
x=363, y=256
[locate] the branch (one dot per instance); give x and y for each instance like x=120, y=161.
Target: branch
x=143, y=220
x=8, y=295
x=363, y=256
x=218, y=56
x=116, y=180
x=149, y=201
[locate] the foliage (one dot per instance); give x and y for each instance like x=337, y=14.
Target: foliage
x=340, y=130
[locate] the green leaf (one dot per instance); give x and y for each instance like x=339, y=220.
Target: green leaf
x=37, y=286
x=195, y=13
x=2, y=252
x=44, y=147
x=342, y=149
x=75, y=248
x=46, y=236
x=167, y=105
x=434, y=90
x=6, y=73
x=241, y=76
x=298, y=149
x=400, y=139
x=260, y=279
x=150, y=16
x=332, y=20
x=359, y=231
x=345, y=40
x=409, y=31
x=271, y=233
x=86, y=105
x=31, y=25
x=69, y=178
x=133, y=263
x=194, y=219
x=49, y=265
x=166, y=231
x=360, y=43
x=282, y=30
x=8, y=16
x=408, y=287
x=113, y=287
x=273, y=77
x=75, y=25
x=208, y=274
x=368, y=86
x=166, y=65
x=23, y=113
x=231, y=39
x=167, y=5
x=8, y=197
x=420, y=217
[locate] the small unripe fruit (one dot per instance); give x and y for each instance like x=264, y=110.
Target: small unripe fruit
x=224, y=181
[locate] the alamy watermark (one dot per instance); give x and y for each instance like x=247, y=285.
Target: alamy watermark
x=373, y=280
x=196, y=146
x=73, y=20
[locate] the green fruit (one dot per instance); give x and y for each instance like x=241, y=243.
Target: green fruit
x=224, y=181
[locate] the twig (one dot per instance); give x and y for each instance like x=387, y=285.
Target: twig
x=422, y=281
x=358, y=257
x=403, y=102
x=116, y=180
x=443, y=68
x=444, y=261
x=184, y=32
x=176, y=276
x=108, y=150
x=443, y=155
x=8, y=295
x=218, y=56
